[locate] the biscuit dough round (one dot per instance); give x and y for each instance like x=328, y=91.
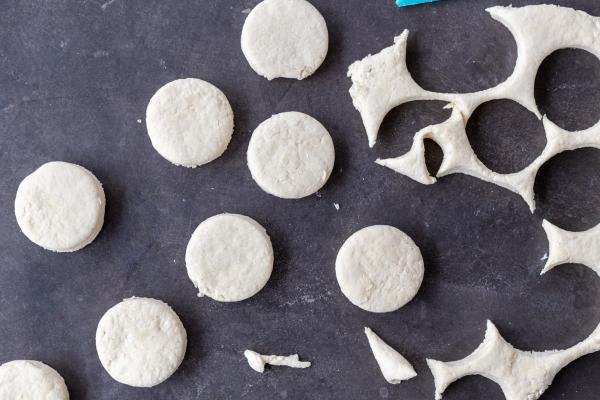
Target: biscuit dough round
x=229, y=257
x=60, y=206
x=31, y=380
x=291, y=155
x=190, y=122
x=285, y=39
x=140, y=342
x=379, y=268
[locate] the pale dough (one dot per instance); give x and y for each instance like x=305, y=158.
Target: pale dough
x=190, y=122
x=285, y=39
x=141, y=342
x=572, y=247
x=379, y=268
x=229, y=257
x=382, y=82
x=258, y=361
x=291, y=155
x=522, y=375
x=31, y=380
x=60, y=206
x=394, y=367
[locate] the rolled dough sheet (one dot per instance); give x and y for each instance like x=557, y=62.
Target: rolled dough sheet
x=382, y=82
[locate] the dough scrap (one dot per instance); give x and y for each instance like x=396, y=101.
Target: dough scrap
x=285, y=39
x=382, y=82
x=291, y=155
x=379, y=268
x=190, y=122
x=229, y=257
x=394, y=367
x=522, y=375
x=572, y=247
x=141, y=342
x=60, y=206
x=258, y=361
x=31, y=380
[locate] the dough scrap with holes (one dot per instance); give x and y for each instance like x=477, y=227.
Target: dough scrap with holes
x=382, y=82
x=522, y=375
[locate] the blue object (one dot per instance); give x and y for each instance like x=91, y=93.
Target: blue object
x=403, y=3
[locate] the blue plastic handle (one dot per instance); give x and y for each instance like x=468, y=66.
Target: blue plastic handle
x=403, y=3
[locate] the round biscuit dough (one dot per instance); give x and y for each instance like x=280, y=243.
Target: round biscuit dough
x=140, y=342
x=229, y=257
x=31, y=380
x=189, y=121
x=291, y=155
x=379, y=268
x=285, y=39
x=60, y=206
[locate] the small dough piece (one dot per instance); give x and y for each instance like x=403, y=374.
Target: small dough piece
x=522, y=375
x=291, y=155
x=190, y=122
x=31, y=380
x=379, y=268
x=60, y=206
x=229, y=257
x=141, y=342
x=572, y=247
x=285, y=39
x=394, y=367
x=258, y=361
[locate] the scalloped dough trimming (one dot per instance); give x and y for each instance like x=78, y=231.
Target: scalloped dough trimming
x=382, y=82
x=285, y=39
x=141, y=342
x=60, y=206
x=31, y=380
x=291, y=155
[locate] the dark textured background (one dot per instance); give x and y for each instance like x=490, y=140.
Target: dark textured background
x=75, y=76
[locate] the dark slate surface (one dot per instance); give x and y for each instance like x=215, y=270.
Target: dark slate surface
x=75, y=76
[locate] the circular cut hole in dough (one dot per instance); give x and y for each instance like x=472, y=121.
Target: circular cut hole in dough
x=229, y=257
x=60, y=206
x=190, y=122
x=285, y=39
x=379, y=268
x=141, y=342
x=31, y=380
x=291, y=155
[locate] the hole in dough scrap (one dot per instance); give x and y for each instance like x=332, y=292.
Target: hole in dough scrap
x=285, y=39
x=291, y=155
x=141, y=342
x=60, y=206
x=379, y=268
x=190, y=122
x=229, y=257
